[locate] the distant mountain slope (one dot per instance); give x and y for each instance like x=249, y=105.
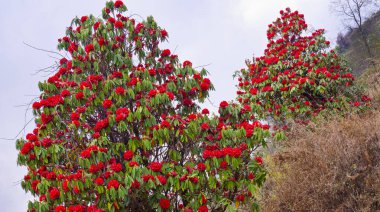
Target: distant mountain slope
x=351, y=46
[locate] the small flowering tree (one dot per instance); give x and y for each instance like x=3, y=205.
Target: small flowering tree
x=118, y=128
x=298, y=76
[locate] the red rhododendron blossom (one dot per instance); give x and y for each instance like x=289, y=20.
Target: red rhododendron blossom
x=205, y=126
x=118, y=3
x=164, y=33
x=223, y=104
x=259, y=160
x=205, y=86
x=85, y=154
x=147, y=177
x=187, y=63
x=79, y=95
x=155, y=166
x=119, y=24
x=251, y=176
x=170, y=95
x=205, y=111
x=135, y=184
x=165, y=53
x=65, y=93
x=99, y=181
x=28, y=146
x=162, y=179
x=31, y=137
x=133, y=164
x=253, y=91
x=101, y=124
x=165, y=124
x=240, y=198
x=107, y=103
x=128, y=155
x=223, y=165
x=116, y=167
x=83, y=18
x=89, y=48
x=164, y=203
x=201, y=167
x=36, y=105
x=113, y=184
x=120, y=90
x=152, y=93
x=96, y=25
x=203, y=208
x=76, y=190
x=42, y=198
x=54, y=193
x=60, y=208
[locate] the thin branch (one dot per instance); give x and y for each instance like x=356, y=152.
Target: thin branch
x=44, y=50
x=12, y=139
x=202, y=66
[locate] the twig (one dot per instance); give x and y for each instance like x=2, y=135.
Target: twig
x=12, y=139
x=53, y=52
x=202, y=66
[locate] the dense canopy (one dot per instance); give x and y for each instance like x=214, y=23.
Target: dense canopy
x=118, y=127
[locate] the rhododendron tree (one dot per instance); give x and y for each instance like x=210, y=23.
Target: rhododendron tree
x=118, y=128
x=298, y=76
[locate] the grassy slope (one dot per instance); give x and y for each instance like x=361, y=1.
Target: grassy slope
x=333, y=165
x=330, y=166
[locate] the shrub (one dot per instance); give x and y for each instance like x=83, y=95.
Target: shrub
x=118, y=127
x=298, y=76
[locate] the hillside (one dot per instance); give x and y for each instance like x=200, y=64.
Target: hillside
x=332, y=164
x=352, y=48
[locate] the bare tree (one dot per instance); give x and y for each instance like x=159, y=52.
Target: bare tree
x=342, y=41
x=354, y=13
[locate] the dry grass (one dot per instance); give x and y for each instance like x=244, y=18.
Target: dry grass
x=370, y=81
x=332, y=166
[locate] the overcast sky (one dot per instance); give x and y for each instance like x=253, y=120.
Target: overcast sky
x=218, y=33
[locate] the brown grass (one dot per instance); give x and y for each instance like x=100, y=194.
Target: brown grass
x=332, y=166
x=370, y=81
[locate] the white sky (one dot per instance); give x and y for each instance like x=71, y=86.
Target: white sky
x=222, y=33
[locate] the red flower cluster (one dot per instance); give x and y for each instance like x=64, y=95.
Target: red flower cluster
x=120, y=90
x=201, y=167
x=223, y=104
x=128, y=155
x=164, y=203
x=232, y=152
x=118, y=3
x=101, y=125
x=107, y=103
x=26, y=148
x=89, y=48
x=205, y=84
x=165, y=53
x=121, y=114
x=155, y=166
x=54, y=193
x=113, y=184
